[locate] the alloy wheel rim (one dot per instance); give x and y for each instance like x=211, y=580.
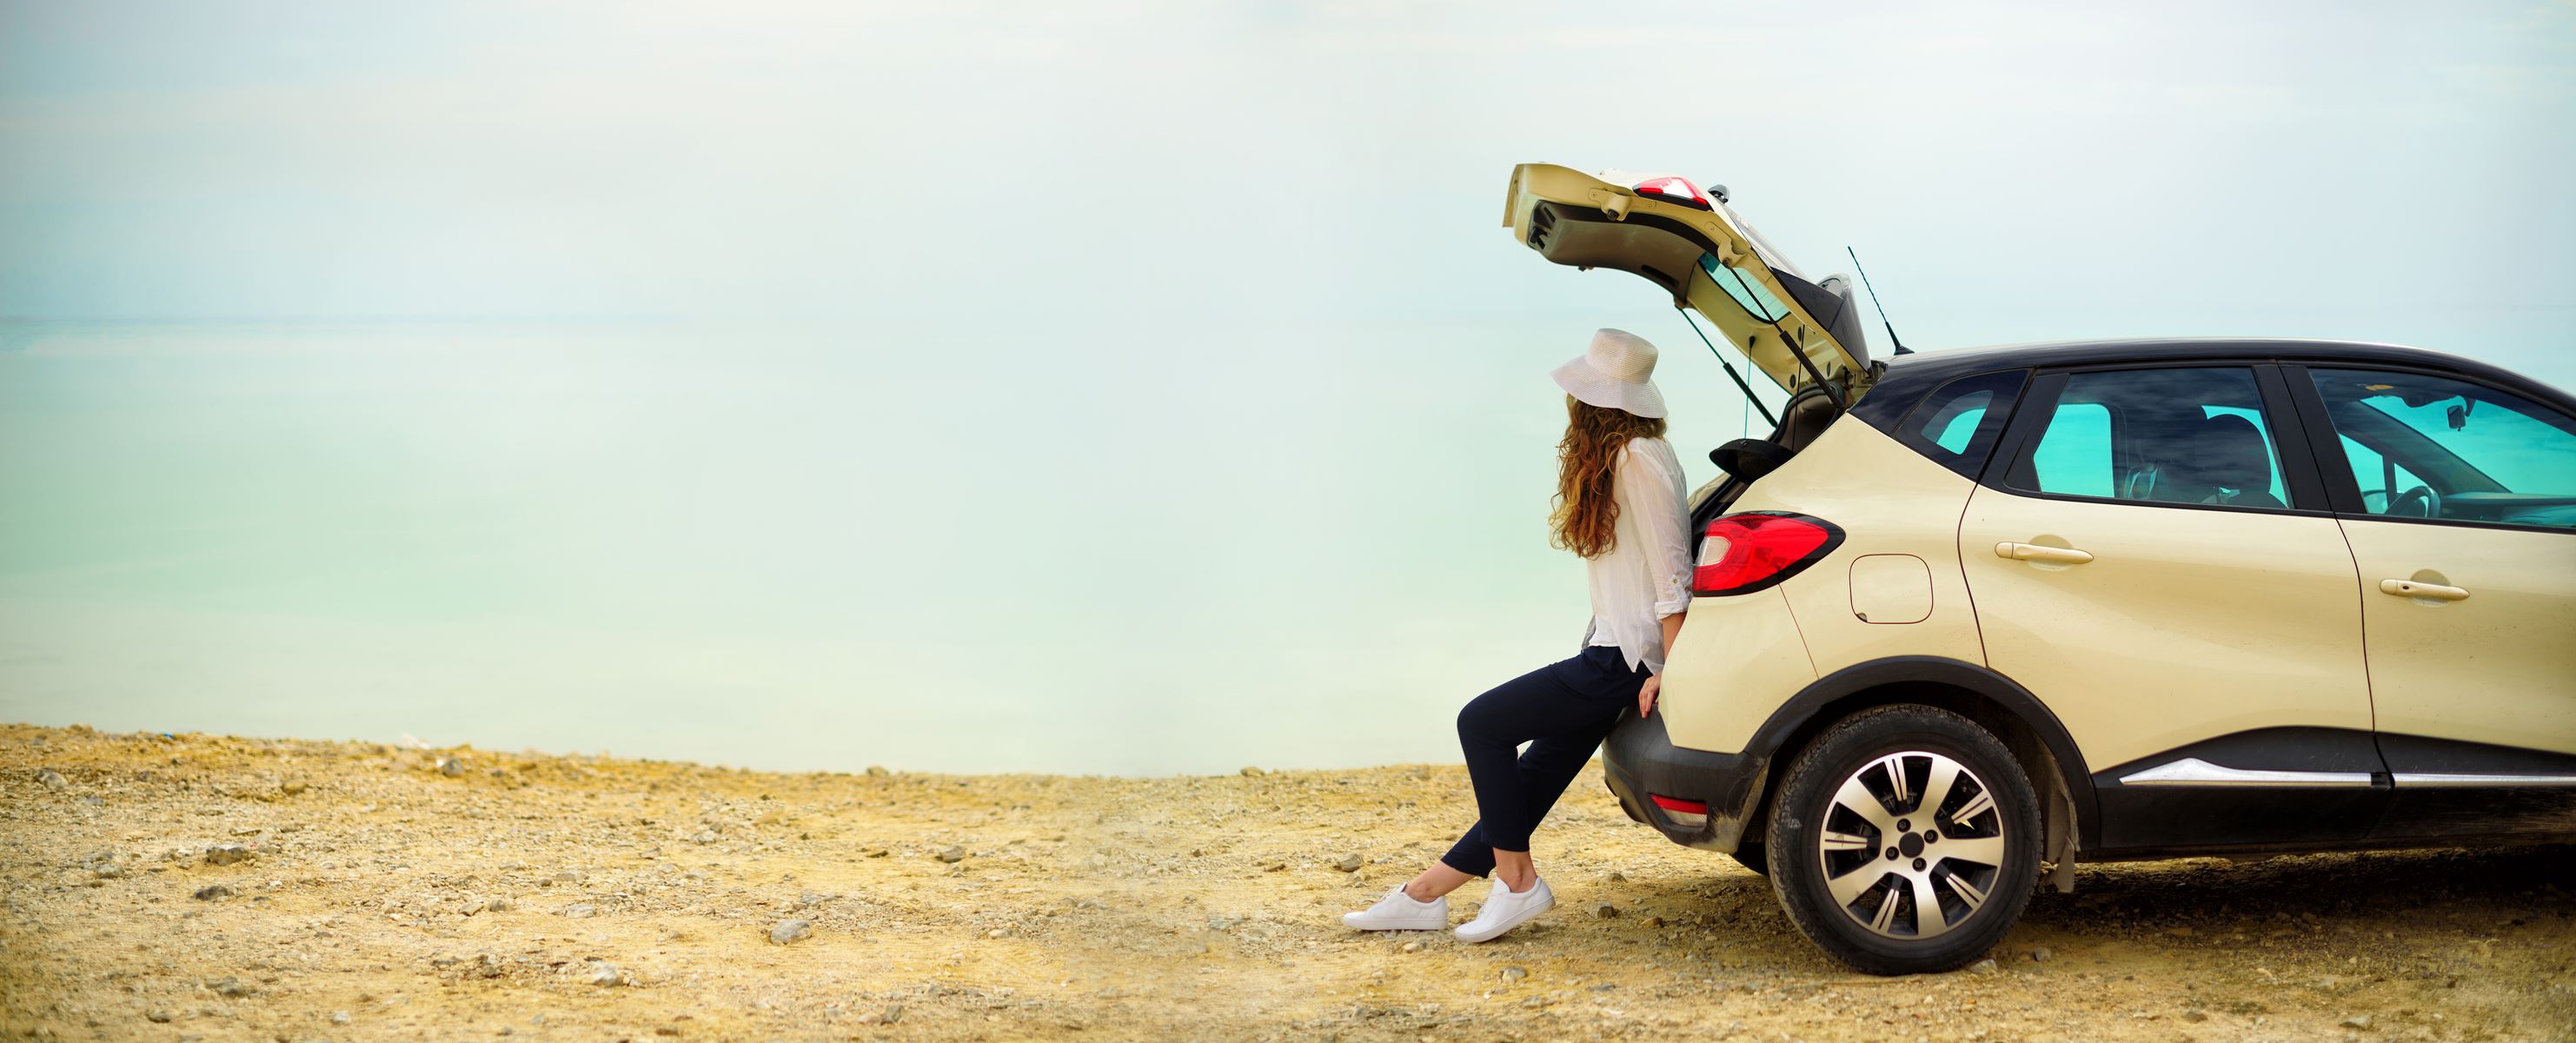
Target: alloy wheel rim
x=1911, y=845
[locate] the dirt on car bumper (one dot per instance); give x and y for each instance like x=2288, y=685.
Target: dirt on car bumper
x=1640, y=762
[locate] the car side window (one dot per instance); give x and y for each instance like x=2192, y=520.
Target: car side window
x=2433, y=447
x=2182, y=436
x=1957, y=424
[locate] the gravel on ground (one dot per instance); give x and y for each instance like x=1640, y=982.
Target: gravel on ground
x=163, y=887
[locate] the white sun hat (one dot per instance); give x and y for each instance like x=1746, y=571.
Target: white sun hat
x=1613, y=374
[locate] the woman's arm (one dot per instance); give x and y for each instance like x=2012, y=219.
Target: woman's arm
x=1655, y=682
x=1651, y=492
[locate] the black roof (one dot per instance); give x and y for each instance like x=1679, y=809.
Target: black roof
x=1939, y=364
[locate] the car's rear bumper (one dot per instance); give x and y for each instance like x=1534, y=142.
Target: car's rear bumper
x=1639, y=762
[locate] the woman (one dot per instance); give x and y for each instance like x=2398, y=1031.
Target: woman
x=1619, y=506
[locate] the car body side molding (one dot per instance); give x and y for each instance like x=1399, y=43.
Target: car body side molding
x=2193, y=771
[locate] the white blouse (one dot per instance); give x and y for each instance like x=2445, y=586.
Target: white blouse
x=1646, y=575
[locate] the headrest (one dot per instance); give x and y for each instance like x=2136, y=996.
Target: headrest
x=2228, y=451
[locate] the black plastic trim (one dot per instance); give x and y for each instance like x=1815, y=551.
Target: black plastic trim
x=1639, y=761
x=2424, y=753
x=2147, y=817
x=1639, y=754
x=1833, y=541
x=1861, y=677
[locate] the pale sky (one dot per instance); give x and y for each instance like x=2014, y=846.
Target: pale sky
x=1082, y=387
x=2389, y=171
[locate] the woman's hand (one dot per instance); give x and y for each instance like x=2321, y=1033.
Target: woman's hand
x=1646, y=694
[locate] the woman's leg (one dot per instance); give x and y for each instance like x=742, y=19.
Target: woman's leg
x=1515, y=789
x=1438, y=880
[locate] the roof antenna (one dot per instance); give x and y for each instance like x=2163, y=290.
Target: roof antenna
x=1892, y=338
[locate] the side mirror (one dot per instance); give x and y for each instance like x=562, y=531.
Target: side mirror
x=1748, y=459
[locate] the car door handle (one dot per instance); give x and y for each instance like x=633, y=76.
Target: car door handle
x=2407, y=588
x=2035, y=552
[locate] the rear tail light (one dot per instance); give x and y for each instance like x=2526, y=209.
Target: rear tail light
x=1675, y=190
x=1690, y=813
x=1757, y=550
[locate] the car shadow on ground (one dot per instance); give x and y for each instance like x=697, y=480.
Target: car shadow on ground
x=2132, y=917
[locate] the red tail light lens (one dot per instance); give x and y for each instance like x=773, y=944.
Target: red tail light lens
x=1675, y=190
x=1756, y=550
x=1684, y=814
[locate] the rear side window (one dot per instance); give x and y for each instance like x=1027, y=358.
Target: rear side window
x=2188, y=436
x=1957, y=424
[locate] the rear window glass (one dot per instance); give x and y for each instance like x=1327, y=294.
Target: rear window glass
x=1957, y=424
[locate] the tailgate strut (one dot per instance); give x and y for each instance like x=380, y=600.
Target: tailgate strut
x=1731, y=374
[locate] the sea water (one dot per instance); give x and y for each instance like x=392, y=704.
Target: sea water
x=810, y=547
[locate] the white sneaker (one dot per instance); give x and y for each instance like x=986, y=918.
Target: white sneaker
x=1506, y=909
x=1399, y=912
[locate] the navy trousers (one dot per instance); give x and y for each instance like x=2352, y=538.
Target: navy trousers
x=1562, y=710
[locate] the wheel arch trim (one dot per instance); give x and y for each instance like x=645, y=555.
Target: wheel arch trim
x=1882, y=681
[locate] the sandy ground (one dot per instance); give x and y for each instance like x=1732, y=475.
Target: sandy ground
x=385, y=893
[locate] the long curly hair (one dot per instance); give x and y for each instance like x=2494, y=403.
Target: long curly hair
x=1587, y=512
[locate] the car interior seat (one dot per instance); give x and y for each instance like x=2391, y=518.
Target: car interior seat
x=2231, y=458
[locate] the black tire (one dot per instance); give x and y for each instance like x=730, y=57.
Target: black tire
x=1977, y=862
x=1750, y=855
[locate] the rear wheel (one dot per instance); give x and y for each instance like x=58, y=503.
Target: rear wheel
x=1904, y=840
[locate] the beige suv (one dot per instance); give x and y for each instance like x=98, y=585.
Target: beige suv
x=1966, y=618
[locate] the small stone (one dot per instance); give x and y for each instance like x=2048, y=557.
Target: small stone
x=1653, y=921
x=451, y=767
x=339, y=1017
x=157, y=1017
x=496, y=905
x=1605, y=911
x=1273, y=866
x=952, y=853
x=879, y=852
x=568, y=876
x=606, y=974
x=487, y=966
x=52, y=780
x=2357, y=1021
x=2041, y=955
x=1411, y=947
x=212, y=892
x=292, y=787
x=998, y=932
x=1251, y=772
x=2182, y=932
x=228, y=987
x=791, y=931
x=1348, y=864
x=878, y=771
x=1617, y=877
x=107, y=870
x=809, y=898
x=2194, y=1016
x=227, y=854
x=892, y=1014
x=1986, y=966
x=582, y=911
x=1513, y=974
